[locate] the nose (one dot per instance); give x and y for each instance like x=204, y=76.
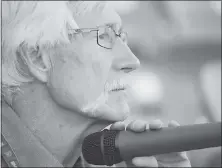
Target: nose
x=124, y=60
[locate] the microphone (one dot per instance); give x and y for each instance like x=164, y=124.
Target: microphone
x=110, y=147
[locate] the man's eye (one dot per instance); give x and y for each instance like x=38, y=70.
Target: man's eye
x=104, y=36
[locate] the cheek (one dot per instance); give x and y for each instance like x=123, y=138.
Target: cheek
x=98, y=60
x=74, y=81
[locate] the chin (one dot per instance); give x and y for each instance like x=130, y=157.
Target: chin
x=109, y=107
x=123, y=113
x=120, y=109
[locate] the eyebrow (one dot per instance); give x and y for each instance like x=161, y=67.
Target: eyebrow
x=114, y=25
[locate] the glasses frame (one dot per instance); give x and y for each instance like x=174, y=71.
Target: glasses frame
x=89, y=30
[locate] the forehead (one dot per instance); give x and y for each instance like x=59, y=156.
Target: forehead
x=98, y=17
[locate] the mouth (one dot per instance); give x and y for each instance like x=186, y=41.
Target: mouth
x=118, y=89
x=116, y=86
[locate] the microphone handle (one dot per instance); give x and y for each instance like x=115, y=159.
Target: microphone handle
x=167, y=140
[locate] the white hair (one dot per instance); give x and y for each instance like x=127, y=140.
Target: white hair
x=36, y=23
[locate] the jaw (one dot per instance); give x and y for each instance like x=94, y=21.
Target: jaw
x=114, y=109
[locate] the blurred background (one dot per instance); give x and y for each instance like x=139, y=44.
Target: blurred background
x=179, y=46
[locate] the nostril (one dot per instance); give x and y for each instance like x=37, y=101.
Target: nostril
x=131, y=66
x=127, y=69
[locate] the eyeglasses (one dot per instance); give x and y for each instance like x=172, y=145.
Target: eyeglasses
x=106, y=36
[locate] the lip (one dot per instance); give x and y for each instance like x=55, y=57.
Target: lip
x=116, y=86
x=118, y=90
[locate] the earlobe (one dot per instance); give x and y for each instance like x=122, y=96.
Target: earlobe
x=39, y=73
x=37, y=62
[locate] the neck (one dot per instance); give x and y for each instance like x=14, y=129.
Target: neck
x=61, y=131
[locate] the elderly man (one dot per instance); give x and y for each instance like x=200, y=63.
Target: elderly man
x=63, y=69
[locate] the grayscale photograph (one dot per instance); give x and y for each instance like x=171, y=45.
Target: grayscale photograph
x=110, y=83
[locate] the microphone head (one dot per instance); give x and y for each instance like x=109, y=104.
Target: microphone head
x=100, y=149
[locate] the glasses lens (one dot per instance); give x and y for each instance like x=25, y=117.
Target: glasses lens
x=106, y=37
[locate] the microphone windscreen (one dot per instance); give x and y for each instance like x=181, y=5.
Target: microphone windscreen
x=99, y=148
x=91, y=148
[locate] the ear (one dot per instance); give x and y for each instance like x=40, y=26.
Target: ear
x=37, y=60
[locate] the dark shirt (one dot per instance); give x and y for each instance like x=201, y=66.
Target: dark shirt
x=20, y=148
